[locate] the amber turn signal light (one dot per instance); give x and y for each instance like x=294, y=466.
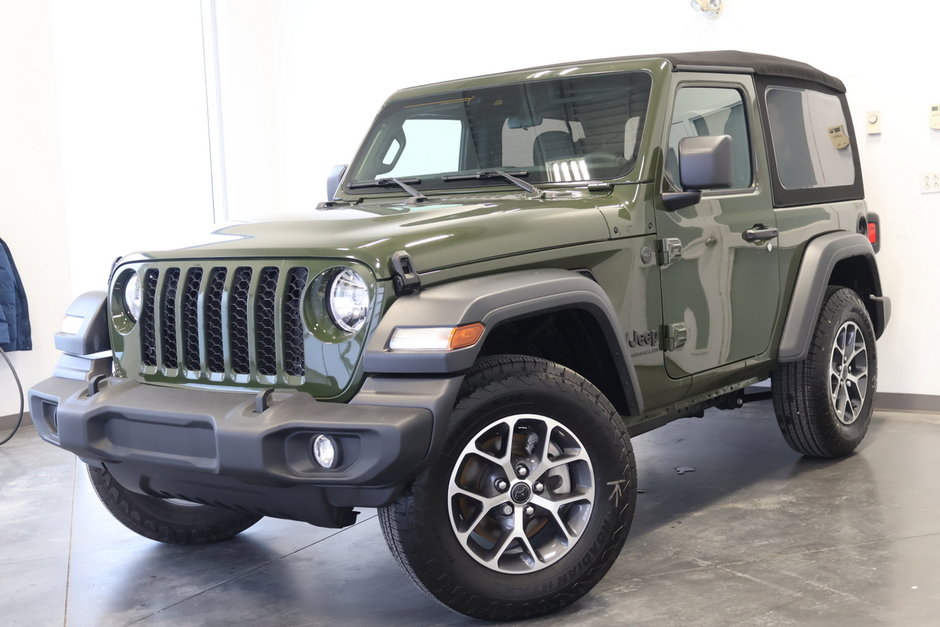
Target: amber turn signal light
x=466, y=335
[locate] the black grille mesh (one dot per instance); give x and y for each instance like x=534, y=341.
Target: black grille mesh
x=238, y=320
x=265, y=333
x=292, y=322
x=215, y=353
x=205, y=318
x=168, y=318
x=147, y=328
x=190, y=319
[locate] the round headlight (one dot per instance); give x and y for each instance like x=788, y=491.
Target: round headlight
x=348, y=300
x=133, y=296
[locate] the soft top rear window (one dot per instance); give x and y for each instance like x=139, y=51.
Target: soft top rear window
x=812, y=155
x=558, y=130
x=811, y=141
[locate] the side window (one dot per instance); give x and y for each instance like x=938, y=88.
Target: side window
x=700, y=111
x=424, y=146
x=810, y=138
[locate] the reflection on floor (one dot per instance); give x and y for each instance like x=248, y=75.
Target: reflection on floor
x=753, y=535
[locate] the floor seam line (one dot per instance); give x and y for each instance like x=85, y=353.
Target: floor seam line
x=778, y=588
x=68, y=566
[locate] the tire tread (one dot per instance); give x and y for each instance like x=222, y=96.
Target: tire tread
x=403, y=535
x=801, y=403
x=142, y=515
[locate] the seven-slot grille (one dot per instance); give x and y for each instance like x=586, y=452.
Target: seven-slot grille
x=224, y=320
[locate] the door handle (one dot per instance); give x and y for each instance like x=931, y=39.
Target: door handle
x=759, y=232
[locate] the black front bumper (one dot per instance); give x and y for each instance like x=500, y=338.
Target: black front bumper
x=213, y=446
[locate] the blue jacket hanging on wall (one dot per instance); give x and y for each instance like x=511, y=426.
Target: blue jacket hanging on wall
x=15, y=334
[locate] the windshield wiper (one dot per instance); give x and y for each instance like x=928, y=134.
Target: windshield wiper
x=492, y=174
x=405, y=184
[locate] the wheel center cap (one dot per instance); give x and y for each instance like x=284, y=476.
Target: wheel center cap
x=520, y=493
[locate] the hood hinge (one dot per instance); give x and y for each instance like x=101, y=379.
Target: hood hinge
x=404, y=276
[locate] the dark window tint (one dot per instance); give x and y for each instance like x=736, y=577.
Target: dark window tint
x=701, y=111
x=811, y=141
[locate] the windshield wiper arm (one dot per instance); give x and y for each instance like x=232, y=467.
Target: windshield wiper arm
x=405, y=184
x=492, y=174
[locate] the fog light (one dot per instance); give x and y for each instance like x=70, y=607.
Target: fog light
x=325, y=451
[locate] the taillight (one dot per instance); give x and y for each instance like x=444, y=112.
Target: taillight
x=873, y=230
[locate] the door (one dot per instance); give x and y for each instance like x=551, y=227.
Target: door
x=720, y=296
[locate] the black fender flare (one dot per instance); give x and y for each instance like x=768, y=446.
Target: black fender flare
x=90, y=335
x=493, y=300
x=85, y=343
x=819, y=260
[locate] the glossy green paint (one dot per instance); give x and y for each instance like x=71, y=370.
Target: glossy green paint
x=724, y=289
x=657, y=67
x=445, y=232
x=332, y=367
x=731, y=294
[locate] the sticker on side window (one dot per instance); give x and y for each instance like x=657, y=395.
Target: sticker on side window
x=839, y=137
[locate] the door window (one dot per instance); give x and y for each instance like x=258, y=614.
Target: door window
x=701, y=111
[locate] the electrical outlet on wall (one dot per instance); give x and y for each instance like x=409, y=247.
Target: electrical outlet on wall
x=929, y=182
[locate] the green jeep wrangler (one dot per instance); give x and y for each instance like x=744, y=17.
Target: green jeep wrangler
x=517, y=273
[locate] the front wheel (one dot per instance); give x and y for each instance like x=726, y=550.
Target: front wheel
x=173, y=522
x=531, y=500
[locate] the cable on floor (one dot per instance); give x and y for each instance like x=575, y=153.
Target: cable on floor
x=19, y=386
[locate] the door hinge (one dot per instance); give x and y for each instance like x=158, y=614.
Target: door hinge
x=675, y=336
x=668, y=250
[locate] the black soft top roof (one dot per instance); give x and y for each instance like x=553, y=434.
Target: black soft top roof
x=759, y=64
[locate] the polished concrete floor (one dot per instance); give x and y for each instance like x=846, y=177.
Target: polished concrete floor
x=755, y=535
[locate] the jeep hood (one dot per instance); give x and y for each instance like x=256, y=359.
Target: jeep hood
x=436, y=234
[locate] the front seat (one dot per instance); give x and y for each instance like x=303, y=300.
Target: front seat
x=552, y=146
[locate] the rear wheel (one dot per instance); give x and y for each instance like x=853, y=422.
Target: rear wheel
x=164, y=520
x=824, y=403
x=531, y=500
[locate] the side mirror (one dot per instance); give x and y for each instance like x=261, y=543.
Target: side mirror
x=332, y=181
x=706, y=162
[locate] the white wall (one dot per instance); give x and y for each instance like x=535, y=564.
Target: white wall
x=108, y=134
x=132, y=119
x=32, y=206
x=103, y=150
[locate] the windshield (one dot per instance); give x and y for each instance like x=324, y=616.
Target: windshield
x=549, y=131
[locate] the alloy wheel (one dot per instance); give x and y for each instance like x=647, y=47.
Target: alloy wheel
x=521, y=493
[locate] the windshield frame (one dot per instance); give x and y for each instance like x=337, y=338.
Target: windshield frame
x=438, y=182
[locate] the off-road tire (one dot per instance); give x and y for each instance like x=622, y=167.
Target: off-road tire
x=166, y=521
x=418, y=526
x=803, y=390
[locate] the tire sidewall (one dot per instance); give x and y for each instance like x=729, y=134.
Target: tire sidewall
x=613, y=468
x=163, y=520
x=842, y=306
